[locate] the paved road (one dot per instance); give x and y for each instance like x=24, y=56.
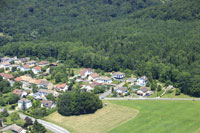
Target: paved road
x=105, y=94
x=48, y=125
x=169, y=99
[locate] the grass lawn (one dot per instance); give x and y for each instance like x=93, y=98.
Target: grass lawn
x=49, y=131
x=161, y=117
x=103, y=120
x=172, y=95
x=76, y=70
x=156, y=94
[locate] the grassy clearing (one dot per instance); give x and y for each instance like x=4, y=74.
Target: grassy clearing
x=157, y=94
x=76, y=70
x=103, y=120
x=161, y=117
x=172, y=95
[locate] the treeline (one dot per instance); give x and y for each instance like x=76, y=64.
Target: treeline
x=156, y=38
x=181, y=10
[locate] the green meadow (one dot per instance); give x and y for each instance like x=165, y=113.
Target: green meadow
x=161, y=117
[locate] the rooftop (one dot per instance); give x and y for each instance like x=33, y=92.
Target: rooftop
x=17, y=92
x=7, y=76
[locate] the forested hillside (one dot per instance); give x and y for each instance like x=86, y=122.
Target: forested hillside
x=157, y=38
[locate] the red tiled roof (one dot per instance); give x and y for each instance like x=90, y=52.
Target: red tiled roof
x=37, y=68
x=26, y=66
x=43, y=62
x=17, y=92
x=60, y=85
x=94, y=75
x=37, y=81
x=7, y=76
x=82, y=72
x=18, y=79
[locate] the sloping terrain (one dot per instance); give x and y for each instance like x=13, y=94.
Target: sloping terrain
x=157, y=38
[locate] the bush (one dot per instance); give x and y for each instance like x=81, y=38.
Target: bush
x=170, y=91
x=14, y=117
x=39, y=112
x=13, y=99
x=4, y=113
x=28, y=122
x=2, y=102
x=99, y=89
x=159, y=88
x=37, y=128
x=76, y=103
x=20, y=122
x=178, y=91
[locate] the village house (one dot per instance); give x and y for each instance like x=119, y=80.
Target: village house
x=45, y=84
x=142, y=81
x=24, y=104
x=31, y=63
x=9, y=77
x=79, y=79
x=38, y=96
x=43, y=63
x=85, y=72
x=122, y=90
x=91, y=86
x=93, y=76
x=6, y=59
x=20, y=93
x=105, y=80
x=36, y=69
x=25, y=81
x=45, y=92
x=94, y=84
x=5, y=65
x=87, y=88
x=118, y=75
x=142, y=91
x=25, y=59
x=61, y=87
x=24, y=68
x=18, y=61
x=14, y=128
x=48, y=104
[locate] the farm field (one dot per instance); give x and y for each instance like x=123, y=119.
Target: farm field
x=161, y=117
x=105, y=119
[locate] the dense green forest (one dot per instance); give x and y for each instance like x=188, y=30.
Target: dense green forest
x=157, y=38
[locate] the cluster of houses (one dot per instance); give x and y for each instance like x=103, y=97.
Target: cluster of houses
x=87, y=75
x=94, y=79
x=45, y=87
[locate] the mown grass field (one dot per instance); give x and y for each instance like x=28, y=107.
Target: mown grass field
x=136, y=117
x=161, y=117
x=103, y=120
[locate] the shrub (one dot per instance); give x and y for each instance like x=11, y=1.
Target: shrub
x=178, y=91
